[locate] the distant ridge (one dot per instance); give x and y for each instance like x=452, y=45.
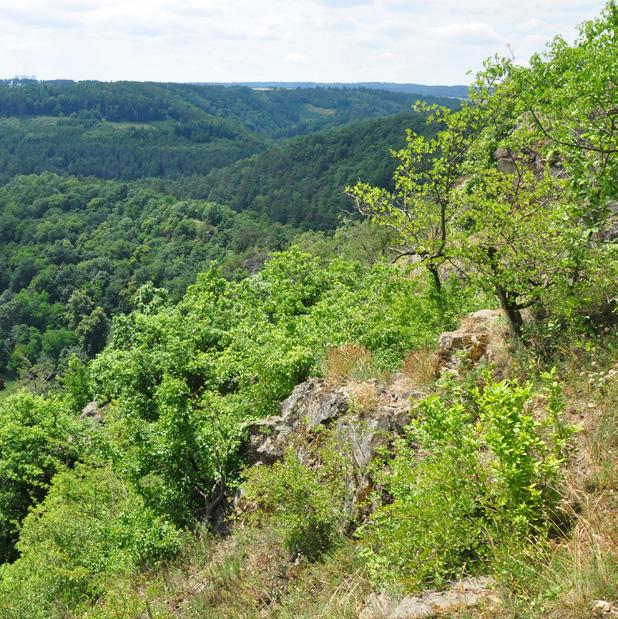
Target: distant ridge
x=457, y=91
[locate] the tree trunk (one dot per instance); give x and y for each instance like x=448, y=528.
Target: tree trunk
x=511, y=310
x=433, y=269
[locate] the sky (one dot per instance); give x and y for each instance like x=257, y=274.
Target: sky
x=430, y=42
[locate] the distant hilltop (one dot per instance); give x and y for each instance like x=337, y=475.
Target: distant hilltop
x=457, y=91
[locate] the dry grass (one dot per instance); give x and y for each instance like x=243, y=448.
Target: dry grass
x=421, y=366
x=364, y=397
x=251, y=576
x=348, y=361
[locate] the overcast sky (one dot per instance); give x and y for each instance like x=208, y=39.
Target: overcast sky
x=433, y=42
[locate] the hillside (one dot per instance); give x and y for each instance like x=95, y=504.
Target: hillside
x=456, y=91
x=62, y=236
x=302, y=181
x=74, y=252
x=411, y=416
x=130, y=130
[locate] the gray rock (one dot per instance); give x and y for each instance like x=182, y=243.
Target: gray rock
x=464, y=594
x=482, y=336
x=364, y=417
x=310, y=405
x=93, y=411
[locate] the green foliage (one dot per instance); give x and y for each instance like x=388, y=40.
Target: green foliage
x=90, y=246
x=129, y=130
x=307, y=501
x=76, y=383
x=37, y=437
x=90, y=529
x=516, y=186
x=420, y=210
x=510, y=194
x=302, y=181
x=185, y=379
x=487, y=470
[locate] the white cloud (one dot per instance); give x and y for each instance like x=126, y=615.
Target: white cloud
x=467, y=33
x=296, y=57
x=235, y=40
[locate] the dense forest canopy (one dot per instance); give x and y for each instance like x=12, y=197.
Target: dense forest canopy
x=455, y=91
x=132, y=130
x=75, y=250
x=65, y=239
x=300, y=182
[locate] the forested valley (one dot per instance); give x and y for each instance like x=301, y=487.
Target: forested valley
x=298, y=352
x=76, y=249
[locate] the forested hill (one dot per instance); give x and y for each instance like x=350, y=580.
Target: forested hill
x=457, y=91
x=88, y=244
x=68, y=242
x=301, y=182
x=132, y=130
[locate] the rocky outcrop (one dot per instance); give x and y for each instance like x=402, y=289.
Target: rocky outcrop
x=509, y=163
x=362, y=415
x=365, y=416
x=93, y=411
x=482, y=336
x=460, y=596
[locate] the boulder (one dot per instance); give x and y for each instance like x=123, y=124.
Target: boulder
x=464, y=594
x=364, y=417
x=482, y=336
x=460, y=596
x=311, y=404
x=93, y=411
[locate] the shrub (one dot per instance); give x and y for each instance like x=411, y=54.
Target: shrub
x=90, y=528
x=37, y=436
x=486, y=471
x=307, y=502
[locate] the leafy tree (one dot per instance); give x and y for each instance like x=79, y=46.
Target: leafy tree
x=90, y=528
x=508, y=191
x=421, y=210
x=92, y=331
x=37, y=437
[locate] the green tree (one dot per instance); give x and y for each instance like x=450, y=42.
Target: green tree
x=92, y=331
x=36, y=438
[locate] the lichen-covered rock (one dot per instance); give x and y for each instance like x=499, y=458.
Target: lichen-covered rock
x=92, y=411
x=464, y=594
x=460, y=596
x=482, y=336
x=363, y=417
x=311, y=404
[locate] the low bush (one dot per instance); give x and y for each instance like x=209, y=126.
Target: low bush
x=307, y=503
x=473, y=469
x=90, y=528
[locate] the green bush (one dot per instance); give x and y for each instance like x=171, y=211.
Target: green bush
x=37, y=436
x=307, y=502
x=91, y=528
x=475, y=468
